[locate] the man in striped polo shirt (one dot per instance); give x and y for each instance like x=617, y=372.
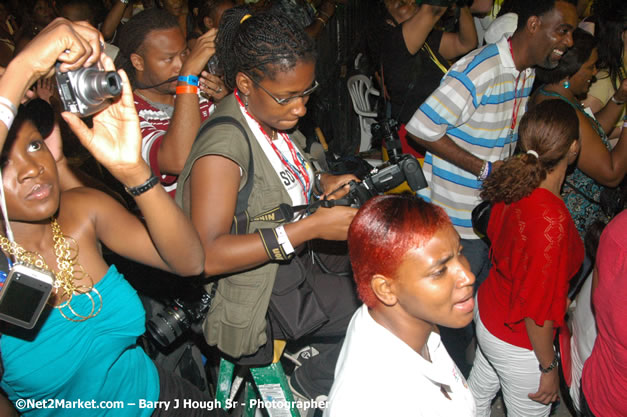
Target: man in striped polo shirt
x=469, y=124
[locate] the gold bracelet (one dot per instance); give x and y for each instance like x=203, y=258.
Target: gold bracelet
x=322, y=20
x=324, y=14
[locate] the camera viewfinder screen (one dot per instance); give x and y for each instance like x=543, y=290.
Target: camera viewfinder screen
x=20, y=301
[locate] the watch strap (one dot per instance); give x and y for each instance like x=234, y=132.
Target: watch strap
x=142, y=188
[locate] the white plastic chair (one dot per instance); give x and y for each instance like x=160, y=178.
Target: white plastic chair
x=360, y=88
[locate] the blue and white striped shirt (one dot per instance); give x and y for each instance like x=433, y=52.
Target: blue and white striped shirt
x=474, y=105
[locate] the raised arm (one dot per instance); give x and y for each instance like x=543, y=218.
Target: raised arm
x=177, y=141
x=73, y=44
x=418, y=27
x=595, y=160
x=113, y=19
x=481, y=7
x=168, y=239
x=326, y=10
x=215, y=182
x=607, y=114
x=463, y=41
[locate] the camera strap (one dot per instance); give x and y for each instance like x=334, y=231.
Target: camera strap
x=281, y=214
x=241, y=219
x=141, y=86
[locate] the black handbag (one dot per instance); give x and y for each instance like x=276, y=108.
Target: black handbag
x=480, y=218
x=293, y=304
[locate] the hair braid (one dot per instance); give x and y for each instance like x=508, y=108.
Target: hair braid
x=261, y=45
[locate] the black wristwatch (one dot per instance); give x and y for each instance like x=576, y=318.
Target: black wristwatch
x=141, y=189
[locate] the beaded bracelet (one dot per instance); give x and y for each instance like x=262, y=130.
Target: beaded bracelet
x=324, y=14
x=486, y=169
x=186, y=89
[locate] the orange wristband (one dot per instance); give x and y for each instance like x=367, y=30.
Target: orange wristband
x=186, y=89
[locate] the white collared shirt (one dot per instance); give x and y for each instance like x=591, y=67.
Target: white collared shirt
x=377, y=374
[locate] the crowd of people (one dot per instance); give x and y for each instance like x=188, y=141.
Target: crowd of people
x=399, y=307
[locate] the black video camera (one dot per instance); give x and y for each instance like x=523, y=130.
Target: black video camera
x=401, y=168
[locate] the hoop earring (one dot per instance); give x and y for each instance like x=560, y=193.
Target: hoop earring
x=566, y=84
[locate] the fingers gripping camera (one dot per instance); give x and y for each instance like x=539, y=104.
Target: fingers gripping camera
x=87, y=90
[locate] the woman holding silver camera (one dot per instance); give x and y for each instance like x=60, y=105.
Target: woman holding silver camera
x=83, y=347
x=270, y=64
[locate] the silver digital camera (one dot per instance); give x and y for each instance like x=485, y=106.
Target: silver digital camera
x=86, y=91
x=24, y=295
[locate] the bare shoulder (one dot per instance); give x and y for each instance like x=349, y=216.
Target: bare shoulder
x=84, y=196
x=86, y=202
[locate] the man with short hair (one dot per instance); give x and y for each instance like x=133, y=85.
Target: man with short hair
x=470, y=122
x=166, y=77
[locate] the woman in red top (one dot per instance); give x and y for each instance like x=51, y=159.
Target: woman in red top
x=535, y=250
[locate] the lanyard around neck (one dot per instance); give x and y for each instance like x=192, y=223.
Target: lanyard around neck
x=298, y=169
x=517, y=98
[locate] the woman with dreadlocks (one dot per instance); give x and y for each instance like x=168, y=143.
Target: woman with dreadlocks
x=266, y=285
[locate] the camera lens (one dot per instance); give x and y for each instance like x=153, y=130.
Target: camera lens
x=213, y=66
x=168, y=325
x=96, y=86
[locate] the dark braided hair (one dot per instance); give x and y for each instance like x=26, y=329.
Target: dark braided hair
x=261, y=45
x=134, y=32
x=548, y=129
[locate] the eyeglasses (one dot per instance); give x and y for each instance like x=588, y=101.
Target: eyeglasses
x=288, y=100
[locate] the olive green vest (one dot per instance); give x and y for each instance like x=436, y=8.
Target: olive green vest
x=236, y=322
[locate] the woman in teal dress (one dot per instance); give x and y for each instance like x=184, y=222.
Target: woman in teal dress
x=599, y=166
x=82, y=357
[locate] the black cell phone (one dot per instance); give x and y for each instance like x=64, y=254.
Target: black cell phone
x=24, y=295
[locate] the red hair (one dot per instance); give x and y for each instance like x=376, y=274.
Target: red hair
x=383, y=231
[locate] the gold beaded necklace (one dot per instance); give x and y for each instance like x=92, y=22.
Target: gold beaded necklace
x=69, y=270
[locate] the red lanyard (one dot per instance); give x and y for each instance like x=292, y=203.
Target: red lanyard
x=297, y=169
x=517, y=103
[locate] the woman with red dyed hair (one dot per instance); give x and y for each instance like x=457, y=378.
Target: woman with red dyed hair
x=411, y=276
